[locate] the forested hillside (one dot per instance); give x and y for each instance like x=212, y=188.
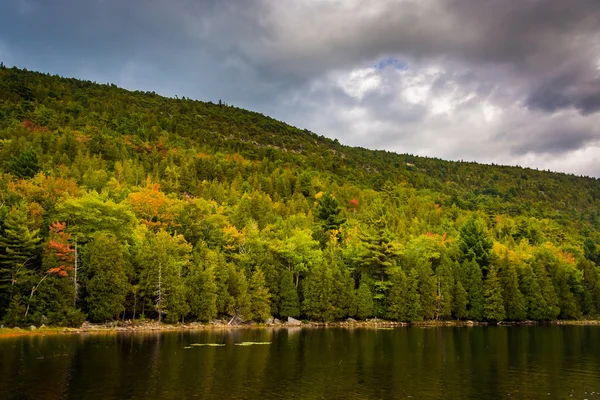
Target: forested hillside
x=118, y=204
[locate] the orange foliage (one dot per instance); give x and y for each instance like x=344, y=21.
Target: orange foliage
x=59, y=246
x=153, y=207
x=44, y=188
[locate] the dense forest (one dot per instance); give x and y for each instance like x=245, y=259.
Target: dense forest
x=126, y=205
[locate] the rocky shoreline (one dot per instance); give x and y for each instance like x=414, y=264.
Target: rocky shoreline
x=154, y=326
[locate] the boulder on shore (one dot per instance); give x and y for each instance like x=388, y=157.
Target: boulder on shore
x=32, y=328
x=293, y=322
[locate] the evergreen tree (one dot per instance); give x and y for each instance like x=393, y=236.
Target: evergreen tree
x=568, y=283
x=18, y=245
x=494, y=303
x=413, y=299
x=202, y=292
x=259, y=297
x=514, y=302
x=289, y=303
x=460, y=301
x=105, y=280
x=328, y=211
x=318, y=288
x=25, y=164
x=427, y=289
x=534, y=300
x=445, y=285
x=397, y=297
x=474, y=243
x=364, y=300
x=343, y=296
x=547, y=291
x=474, y=286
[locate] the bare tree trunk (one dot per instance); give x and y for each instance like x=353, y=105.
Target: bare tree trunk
x=33, y=290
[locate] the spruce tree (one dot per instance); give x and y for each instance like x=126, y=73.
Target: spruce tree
x=494, y=303
x=474, y=286
x=328, y=211
x=413, y=299
x=427, y=289
x=547, y=290
x=18, y=245
x=105, y=281
x=397, y=297
x=318, y=288
x=289, y=303
x=534, y=300
x=364, y=300
x=444, y=278
x=514, y=302
x=474, y=243
x=259, y=297
x=460, y=301
x=202, y=293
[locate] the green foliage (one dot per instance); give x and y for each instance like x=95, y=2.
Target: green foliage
x=514, y=301
x=413, y=298
x=318, y=293
x=259, y=297
x=25, y=164
x=290, y=304
x=494, y=303
x=364, y=300
x=474, y=243
x=18, y=244
x=397, y=298
x=104, y=277
x=189, y=210
x=202, y=291
x=328, y=211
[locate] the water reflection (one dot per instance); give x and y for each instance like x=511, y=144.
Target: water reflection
x=472, y=363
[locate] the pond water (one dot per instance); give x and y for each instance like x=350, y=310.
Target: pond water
x=420, y=363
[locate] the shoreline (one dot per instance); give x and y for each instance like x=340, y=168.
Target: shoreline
x=155, y=327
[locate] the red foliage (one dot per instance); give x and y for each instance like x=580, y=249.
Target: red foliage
x=61, y=248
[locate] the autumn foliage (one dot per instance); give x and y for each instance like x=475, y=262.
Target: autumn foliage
x=59, y=246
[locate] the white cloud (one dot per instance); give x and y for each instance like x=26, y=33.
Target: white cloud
x=360, y=81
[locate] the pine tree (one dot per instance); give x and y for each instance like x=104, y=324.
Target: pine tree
x=343, y=295
x=534, y=300
x=328, y=211
x=568, y=281
x=397, y=297
x=318, y=288
x=474, y=243
x=494, y=303
x=413, y=299
x=202, y=293
x=259, y=297
x=547, y=291
x=364, y=300
x=289, y=304
x=514, y=302
x=427, y=289
x=104, y=277
x=18, y=245
x=474, y=285
x=460, y=301
x=444, y=289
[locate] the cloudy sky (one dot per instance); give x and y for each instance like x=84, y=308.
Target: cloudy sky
x=505, y=81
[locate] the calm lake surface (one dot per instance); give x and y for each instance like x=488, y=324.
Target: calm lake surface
x=420, y=363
